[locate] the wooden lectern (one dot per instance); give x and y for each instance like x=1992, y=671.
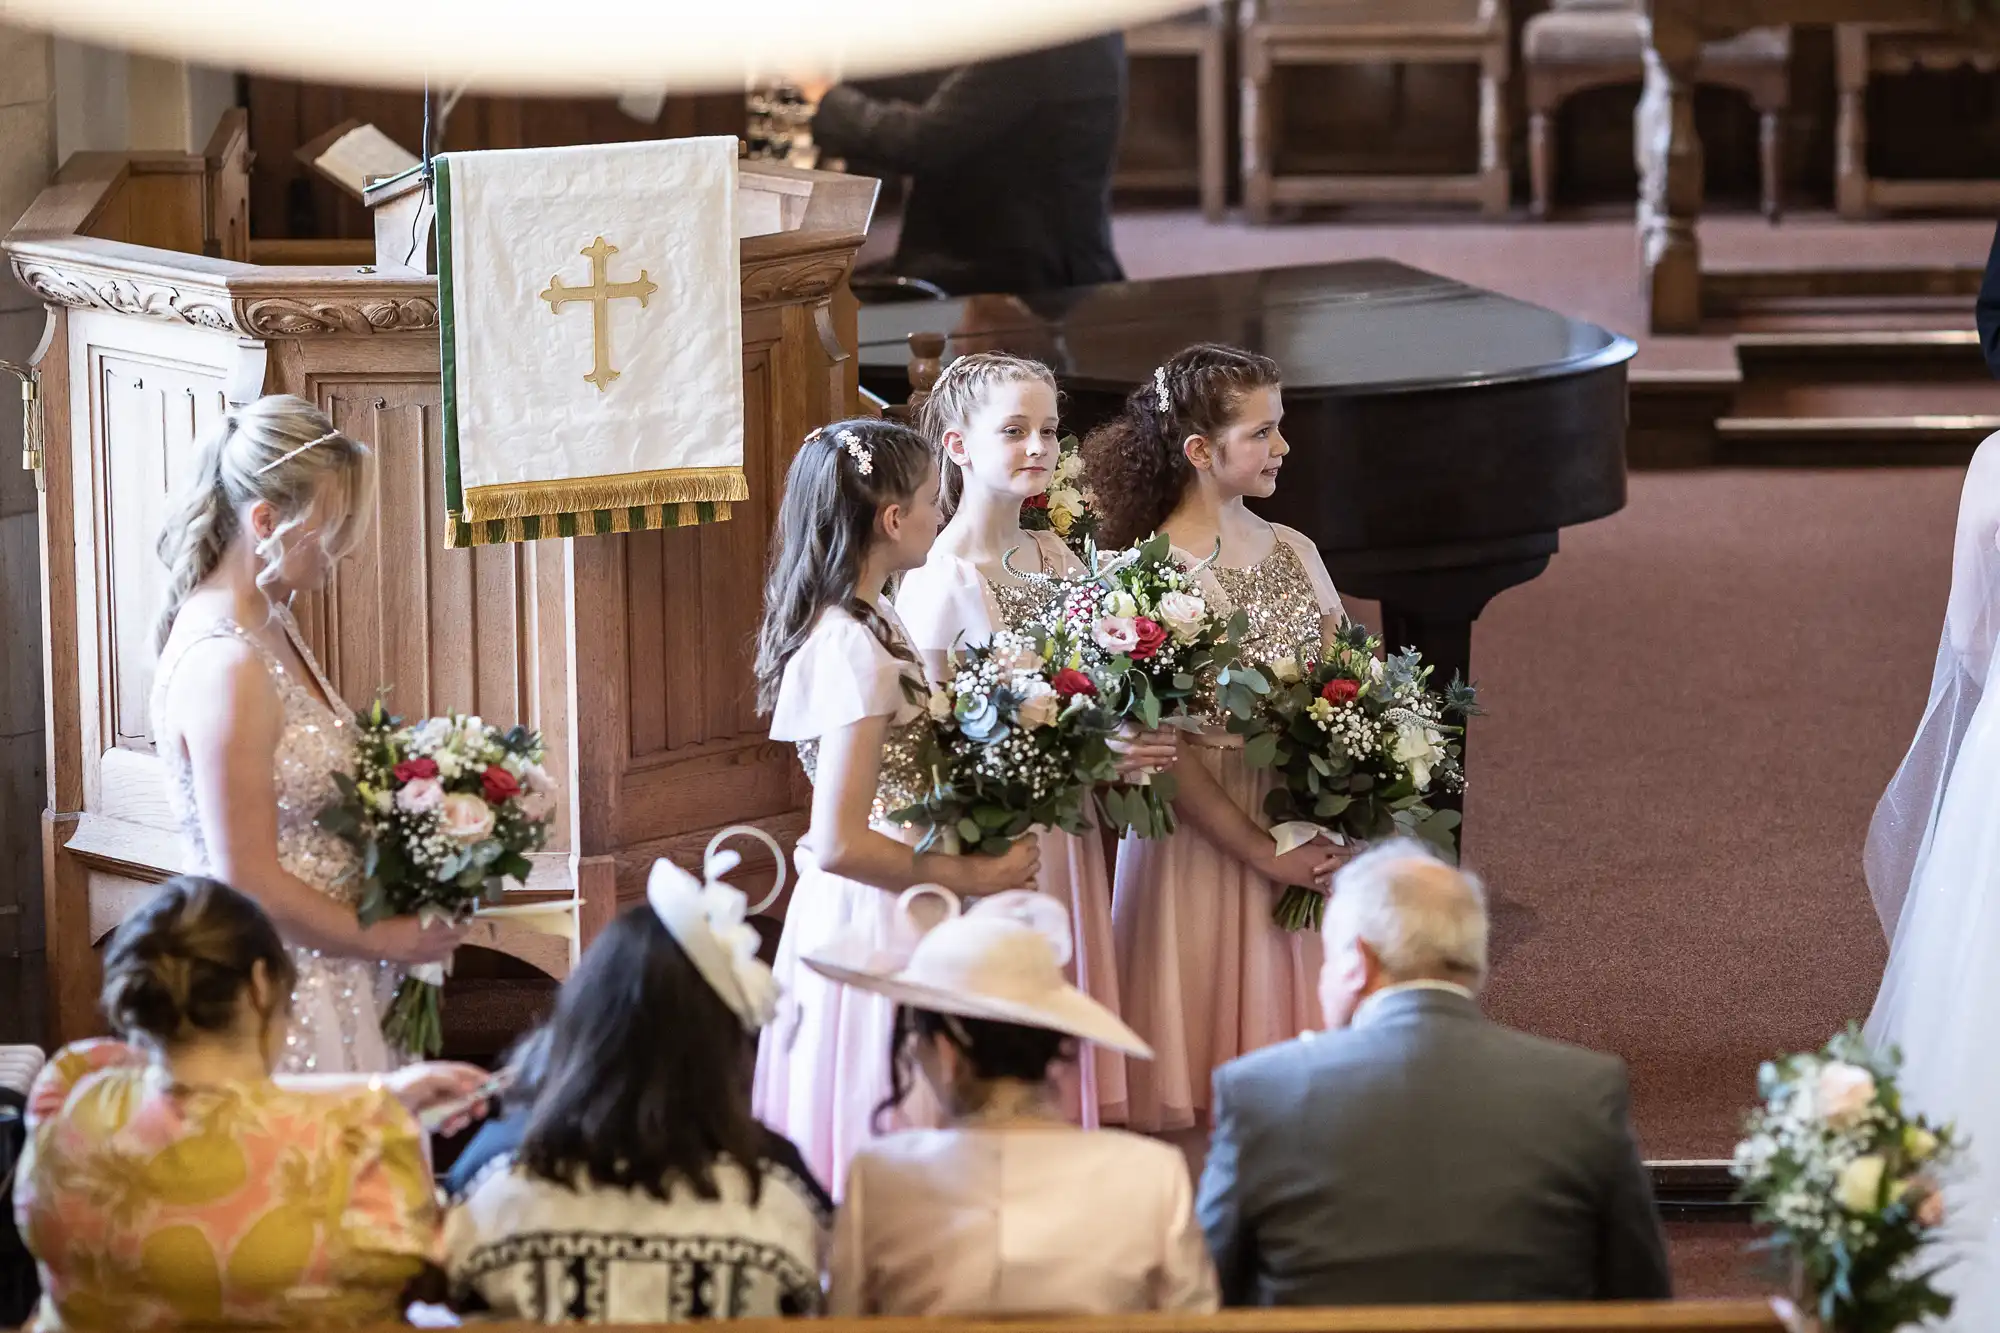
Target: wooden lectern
x=630, y=652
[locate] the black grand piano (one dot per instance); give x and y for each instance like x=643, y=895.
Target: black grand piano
x=1442, y=435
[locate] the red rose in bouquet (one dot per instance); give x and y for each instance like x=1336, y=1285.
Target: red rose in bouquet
x=412, y=769
x=1069, y=682
x=1151, y=636
x=1340, y=691
x=1036, y=501
x=499, y=785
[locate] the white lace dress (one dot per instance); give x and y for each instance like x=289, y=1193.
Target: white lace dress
x=337, y=1006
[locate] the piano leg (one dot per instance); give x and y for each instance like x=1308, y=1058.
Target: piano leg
x=1432, y=609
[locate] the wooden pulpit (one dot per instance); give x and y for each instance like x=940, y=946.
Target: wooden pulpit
x=630, y=652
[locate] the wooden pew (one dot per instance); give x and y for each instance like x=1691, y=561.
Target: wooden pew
x=1746, y=1316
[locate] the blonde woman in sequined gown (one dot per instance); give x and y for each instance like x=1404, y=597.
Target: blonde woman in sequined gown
x=1207, y=975
x=253, y=733
x=840, y=680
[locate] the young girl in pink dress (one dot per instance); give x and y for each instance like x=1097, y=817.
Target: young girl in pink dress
x=993, y=417
x=1207, y=975
x=836, y=672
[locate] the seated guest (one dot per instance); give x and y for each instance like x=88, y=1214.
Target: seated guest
x=1417, y=1152
x=642, y=1189
x=1009, y=163
x=169, y=1179
x=1009, y=1210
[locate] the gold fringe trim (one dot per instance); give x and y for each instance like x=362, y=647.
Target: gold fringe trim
x=622, y=491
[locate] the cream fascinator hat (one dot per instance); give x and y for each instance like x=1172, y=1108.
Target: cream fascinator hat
x=1000, y=959
x=711, y=922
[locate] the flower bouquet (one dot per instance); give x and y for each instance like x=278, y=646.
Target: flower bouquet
x=1018, y=744
x=442, y=813
x=1065, y=507
x=1143, y=627
x=1359, y=744
x=1848, y=1181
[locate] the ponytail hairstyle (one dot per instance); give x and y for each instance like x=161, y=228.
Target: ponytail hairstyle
x=1137, y=469
x=839, y=482
x=180, y=964
x=960, y=390
x=281, y=450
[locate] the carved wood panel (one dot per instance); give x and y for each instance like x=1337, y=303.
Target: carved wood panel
x=153, y=413
x=438, y=629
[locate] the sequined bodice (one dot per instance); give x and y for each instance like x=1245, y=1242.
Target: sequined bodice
x=1277, y=595
x=314, y=744
x=902, y=780
x=1039, y=596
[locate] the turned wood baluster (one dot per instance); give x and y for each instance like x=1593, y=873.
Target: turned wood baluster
x=1670, y=181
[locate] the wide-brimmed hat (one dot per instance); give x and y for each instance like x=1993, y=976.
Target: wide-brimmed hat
x=1000, y=959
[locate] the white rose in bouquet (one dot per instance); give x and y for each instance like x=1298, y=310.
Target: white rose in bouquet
x=466, y=818
x=1286, y=670
x=1183, y=613
x=420, y=797
x=1859, y=1189
x=939, y=705
x=1122, y=604
x=1419, y=747
x=1040, y=706
x=1842, y=1094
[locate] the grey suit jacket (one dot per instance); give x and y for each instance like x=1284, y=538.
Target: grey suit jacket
x=1427, y=1155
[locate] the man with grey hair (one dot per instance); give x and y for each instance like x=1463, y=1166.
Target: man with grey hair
x=1415, y=1151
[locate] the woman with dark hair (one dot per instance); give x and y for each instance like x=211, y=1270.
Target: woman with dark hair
x=169, y=1178
x=1207, y=976
x=1004, y=1210
x=643, y=1189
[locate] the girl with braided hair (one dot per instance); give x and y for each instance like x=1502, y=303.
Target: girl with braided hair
x=992, y=417
x=252, y=731
x=1207, y=975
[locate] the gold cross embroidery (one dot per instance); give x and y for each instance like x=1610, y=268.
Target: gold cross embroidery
x=600, y=294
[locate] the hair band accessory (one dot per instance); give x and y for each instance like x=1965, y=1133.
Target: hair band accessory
x=814, y=434
x=864, y=460
x=283, y=459
x=1165, y=399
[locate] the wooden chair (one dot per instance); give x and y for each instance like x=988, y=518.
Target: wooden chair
x=1203, y=36
x=1582, y=44
x=1862, y=51
x=1281, y=33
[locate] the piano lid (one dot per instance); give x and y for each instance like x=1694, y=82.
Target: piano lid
x=1370, y=326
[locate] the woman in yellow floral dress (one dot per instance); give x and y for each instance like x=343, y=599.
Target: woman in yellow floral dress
x=170, y=1180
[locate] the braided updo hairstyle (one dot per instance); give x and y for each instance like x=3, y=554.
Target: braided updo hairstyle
x=281, y=450
x=1135, y=463
x=181, y=963
x=960, y=390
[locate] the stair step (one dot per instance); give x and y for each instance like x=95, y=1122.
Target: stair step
x=1863, y=289
x=1819, y=357
x=1835, y=441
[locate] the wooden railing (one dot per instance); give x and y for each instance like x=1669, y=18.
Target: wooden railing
x=1578, y=1317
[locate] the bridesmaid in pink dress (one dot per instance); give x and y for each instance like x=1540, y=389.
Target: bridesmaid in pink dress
x=993, y=417
x=1207, y=975
x=839, y=679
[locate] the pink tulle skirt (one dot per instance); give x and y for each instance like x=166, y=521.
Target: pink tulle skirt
x=1207, y=975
